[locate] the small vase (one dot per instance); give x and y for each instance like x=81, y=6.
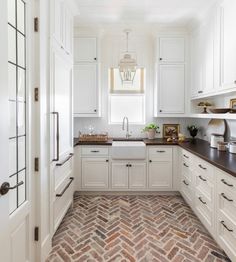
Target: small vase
x=151, y=133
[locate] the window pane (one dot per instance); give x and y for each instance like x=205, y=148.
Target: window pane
x=21, y=153
x=11, y=44
x=21, y=84
x=21, y=16
x=21, y=119
x=21, y=49
x=131, y=106
x=12, y=156
x=13, y=194
x=12, y=81
x=11, y=12
x=12, y=109
x=22, y=188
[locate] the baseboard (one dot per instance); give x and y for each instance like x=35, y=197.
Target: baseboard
x=123, y=193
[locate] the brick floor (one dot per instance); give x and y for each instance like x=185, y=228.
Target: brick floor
x=133, y=228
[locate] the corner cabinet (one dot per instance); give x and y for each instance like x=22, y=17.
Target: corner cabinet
x=86, y=77
x=171, y=63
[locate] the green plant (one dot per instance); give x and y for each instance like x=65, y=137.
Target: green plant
x=151, y=126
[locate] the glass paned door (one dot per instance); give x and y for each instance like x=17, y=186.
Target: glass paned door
x=17, y=101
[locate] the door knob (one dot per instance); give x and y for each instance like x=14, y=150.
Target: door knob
x=5, y=187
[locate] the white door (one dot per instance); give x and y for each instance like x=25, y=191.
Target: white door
x=85, y=49
x=95, y=173
x=85, y=89
x=16, y=238
x=172, y=89
x=160, y=175
x=172, y=50
x=137, y=175
x=120, y=173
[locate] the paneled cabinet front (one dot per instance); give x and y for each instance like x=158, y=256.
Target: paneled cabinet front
x=85, y=90
x=95, y=173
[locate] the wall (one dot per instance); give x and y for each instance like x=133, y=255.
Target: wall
x=112, y=45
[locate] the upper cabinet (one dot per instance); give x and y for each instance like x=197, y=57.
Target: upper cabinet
x=62, y=26
x=86, y=77
x=213, y=53
x=228, y=44
x=85, y=49
x=172, y=50
x=170, y=95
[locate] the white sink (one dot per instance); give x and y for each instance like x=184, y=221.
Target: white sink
x=128, y=150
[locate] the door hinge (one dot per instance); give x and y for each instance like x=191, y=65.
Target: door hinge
x=36, y=164
x=36, y=94
x=36, y=234
x=36, y=24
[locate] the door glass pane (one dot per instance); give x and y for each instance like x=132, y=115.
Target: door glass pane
x=17, y=101
x=11, y=12
x=11, y=44
x=21, y=16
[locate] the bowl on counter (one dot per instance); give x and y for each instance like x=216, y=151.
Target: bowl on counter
x=219, y=110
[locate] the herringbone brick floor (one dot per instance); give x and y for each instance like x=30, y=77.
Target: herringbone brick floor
x=133, y=228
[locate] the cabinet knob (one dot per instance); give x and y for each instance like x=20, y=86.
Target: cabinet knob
x=235, y=82
x=127, y=165
x=160, y=59
x=160, y=111
x=107, y=160
x=200, y=92
x=150, y=161
x=95, y=110
x=95, y=58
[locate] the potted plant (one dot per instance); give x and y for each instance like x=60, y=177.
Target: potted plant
x=151, y=130
x=193, y=130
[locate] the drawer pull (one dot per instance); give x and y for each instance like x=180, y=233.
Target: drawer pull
x=185, y=183
x=185, y=165
x=225, y=197
x=202, y=200
x=64, y=161
x=66, y=187
x=94, y=151
x=161, y=151
x=186, y=156
x=150, y=161
x=107, y=160
x=204, y=168
x=203, y=179
x=224, y=225
x=224, y=182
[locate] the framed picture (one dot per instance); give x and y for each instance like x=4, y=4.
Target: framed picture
x=233, y=103
x=171, y=130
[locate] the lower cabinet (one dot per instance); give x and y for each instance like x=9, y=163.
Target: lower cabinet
x=128, y=175
x=160, y=175
x=95, y=172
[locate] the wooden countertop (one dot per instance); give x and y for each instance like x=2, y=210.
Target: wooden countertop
x=201, y=148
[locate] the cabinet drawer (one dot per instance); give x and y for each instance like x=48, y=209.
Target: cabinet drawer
x=205, y=186
x=204, y=168
x=64, y=198
x=160, y=154
x=62, y=172
x=94, y=151
x=186, y=156
x=186, y=190
x=226, y=232
x=204, y=208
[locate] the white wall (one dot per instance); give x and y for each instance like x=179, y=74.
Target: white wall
x=112, y=45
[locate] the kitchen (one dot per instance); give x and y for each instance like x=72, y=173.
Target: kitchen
x=121, y=130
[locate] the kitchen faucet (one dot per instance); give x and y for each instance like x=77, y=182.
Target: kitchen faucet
x=127, y=126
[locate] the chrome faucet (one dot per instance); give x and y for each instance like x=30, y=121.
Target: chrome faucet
x=127, y=126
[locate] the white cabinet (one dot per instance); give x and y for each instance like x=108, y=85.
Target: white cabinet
x=172, y=49
x=160, y=168
x=62, y=25
x=137, y=176
x=171, y=89
x=128, y=175
x=85, y=49
x=120, y=176
x=95, y=173
x=170, y=95
x=85, y=90
x=228, y=43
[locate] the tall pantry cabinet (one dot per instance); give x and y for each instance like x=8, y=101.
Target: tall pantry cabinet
x=61, y=139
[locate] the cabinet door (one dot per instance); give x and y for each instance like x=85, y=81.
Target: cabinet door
x=120, y=174
x=85, y=89
x=57, y=22
x=160, y=175
x=85, y=49
x=61, y=104
x=68, y=31
x=172, y=50
x=172, y=89
x=95, y=173
x=228, y=55
x=137, y=175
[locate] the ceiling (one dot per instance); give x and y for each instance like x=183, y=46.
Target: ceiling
x=167, y=12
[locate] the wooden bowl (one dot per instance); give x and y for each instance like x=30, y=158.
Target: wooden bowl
x=219, y=110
